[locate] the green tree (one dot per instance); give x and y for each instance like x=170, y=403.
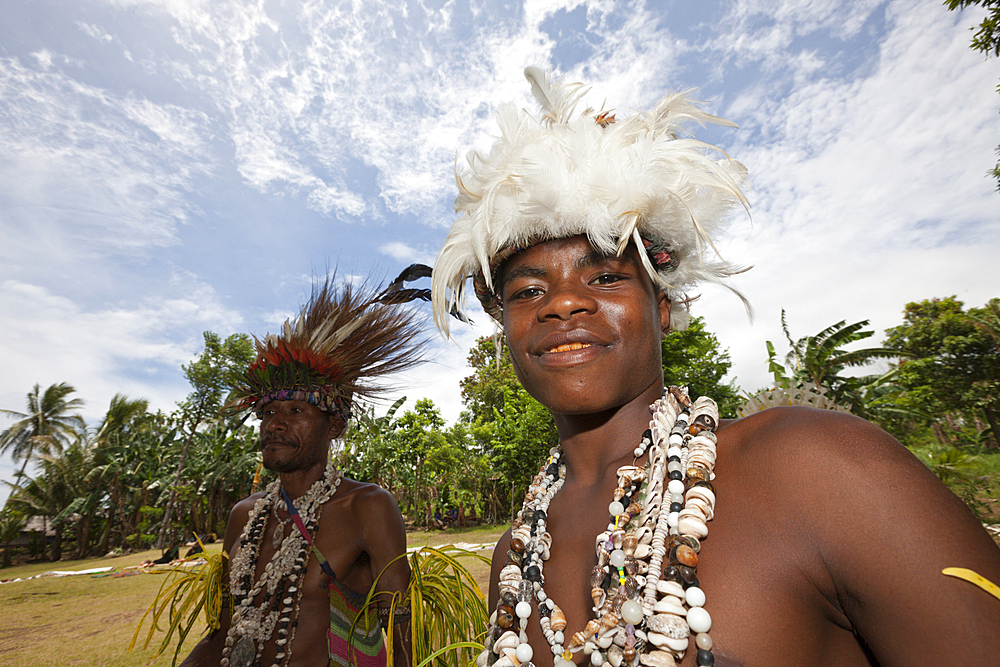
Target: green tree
x=513, y=430
x=986, y=40
x=369, y=451
x=694, y=359
x=117, y=428
x=220, y=471
x=519, y=436
x=463, y=468
x=212, y=376
x=45, y=426
x=953, y=369
x=822, y=360
x=418, y=435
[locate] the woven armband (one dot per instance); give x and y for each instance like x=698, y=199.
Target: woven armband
x=400, y=615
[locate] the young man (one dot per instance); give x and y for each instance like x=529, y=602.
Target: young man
x=654, y=534
x=304, y=553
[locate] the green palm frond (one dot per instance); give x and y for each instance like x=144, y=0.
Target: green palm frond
x=447, y=607
x=184, y=595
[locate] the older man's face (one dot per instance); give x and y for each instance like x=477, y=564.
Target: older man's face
x=295, y=435
x=584, y=329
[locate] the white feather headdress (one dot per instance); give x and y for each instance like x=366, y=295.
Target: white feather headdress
x=640, y=179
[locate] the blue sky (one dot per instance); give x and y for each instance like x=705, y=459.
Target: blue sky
x=174, y=166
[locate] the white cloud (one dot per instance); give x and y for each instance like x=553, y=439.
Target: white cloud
x=94, y=31
x=133, y=348
x=90, y=172
x=406, y=254
x=868, y=193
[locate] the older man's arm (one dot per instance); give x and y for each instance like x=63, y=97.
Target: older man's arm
x=208, y=652
x=384, y=538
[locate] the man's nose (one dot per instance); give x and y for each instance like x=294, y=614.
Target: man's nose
x=275, y=422
x=566, y=299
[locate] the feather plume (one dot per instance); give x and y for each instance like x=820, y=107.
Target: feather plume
x=557, y=101
x=343, y=340
x=640, y=179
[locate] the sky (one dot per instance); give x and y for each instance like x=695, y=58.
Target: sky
x=169, y=167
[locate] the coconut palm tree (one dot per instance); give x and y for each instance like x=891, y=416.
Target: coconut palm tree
x=45, y=426
x=114, y=454
x=821, y=358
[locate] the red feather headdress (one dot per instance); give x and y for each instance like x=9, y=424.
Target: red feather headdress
x=343, y=339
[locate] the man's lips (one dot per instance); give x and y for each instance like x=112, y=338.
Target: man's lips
x=278, y=441
x=570, y=343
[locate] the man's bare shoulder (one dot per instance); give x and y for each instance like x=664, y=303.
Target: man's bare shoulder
x=867, y=523
x=811, y=463
x=238, y=516
x=369, y=513
x=365, y=497
x=244, y=506
x=241, y=510
x=803, y=436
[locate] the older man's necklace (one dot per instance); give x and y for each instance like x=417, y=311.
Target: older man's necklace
x=280, y=584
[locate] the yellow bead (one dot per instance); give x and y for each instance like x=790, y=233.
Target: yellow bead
x=567, y=655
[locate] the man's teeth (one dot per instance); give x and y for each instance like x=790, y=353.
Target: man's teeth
x=569, y=346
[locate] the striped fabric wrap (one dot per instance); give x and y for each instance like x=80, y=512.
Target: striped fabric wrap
x=367, y=648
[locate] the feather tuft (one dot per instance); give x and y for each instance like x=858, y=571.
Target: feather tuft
x=615, y=179
x=343, y=340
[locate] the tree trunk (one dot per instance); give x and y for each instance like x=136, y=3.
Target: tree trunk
x=173, y=488
x=83, y=535
x=102, y=543
x=106, y=533
x=939, y=432
x=56, y=550
x=991, y=417
x=951, y=421
x=213, y=496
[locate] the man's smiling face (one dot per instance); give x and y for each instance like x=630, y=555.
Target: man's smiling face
x=583, y=328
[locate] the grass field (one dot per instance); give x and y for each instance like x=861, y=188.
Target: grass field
x=89, y=620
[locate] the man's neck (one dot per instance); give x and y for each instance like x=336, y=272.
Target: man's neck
x=593, y=442
x=297, y=482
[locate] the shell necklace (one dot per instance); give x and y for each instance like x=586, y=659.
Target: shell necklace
x=647, y=602
x=253, y=625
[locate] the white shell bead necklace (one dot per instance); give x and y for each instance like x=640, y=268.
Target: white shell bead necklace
x=253, y=625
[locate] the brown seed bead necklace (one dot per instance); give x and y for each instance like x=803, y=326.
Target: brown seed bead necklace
x=647, y=601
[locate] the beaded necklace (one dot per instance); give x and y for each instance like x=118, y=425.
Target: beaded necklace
x=253, y=625
x=647, y=602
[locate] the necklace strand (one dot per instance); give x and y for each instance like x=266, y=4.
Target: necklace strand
x=280, y=583
x=645, y=589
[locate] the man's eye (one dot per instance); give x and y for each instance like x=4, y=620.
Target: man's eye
x=607, y=279
x=526, y=293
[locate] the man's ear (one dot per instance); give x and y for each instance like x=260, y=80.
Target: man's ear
x=663, y=302
x=337, y=424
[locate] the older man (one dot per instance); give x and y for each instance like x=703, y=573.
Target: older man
x=304, y=553
x=829, y=543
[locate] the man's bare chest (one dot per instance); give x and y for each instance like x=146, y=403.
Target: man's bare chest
x=763, y=585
